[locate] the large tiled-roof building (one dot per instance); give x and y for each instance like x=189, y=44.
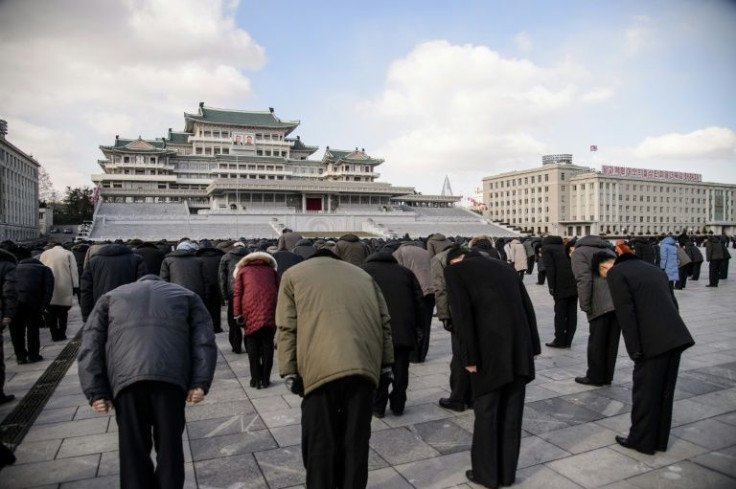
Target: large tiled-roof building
x=18, y=191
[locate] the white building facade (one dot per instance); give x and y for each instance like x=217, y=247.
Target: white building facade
x=18, y=192
x=569, y=200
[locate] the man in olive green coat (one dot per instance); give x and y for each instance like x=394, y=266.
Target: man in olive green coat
x=334, y=343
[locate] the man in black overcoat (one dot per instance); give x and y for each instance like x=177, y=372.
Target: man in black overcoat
x=405, y=302
x=563, y=288
x=496, y=325
x=655, y=337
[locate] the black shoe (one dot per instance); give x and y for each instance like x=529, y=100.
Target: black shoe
x=471, y=477
x=5, y=398
x=451, y=404
x=253, y=383
x=265, y=383
x=624, y=442
x=22, y=361
x=379, y=414
x=555, y=345
x=220, y=330
x=35, y=358
x=238, y=350
x=587, y=381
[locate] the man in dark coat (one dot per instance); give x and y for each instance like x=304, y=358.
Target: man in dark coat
x=183, y=267
x=211, y=257
x=129, y=332
x=35, y=285
x=723, y=274
x=111, y=266
x=714, y=254
x=404, y=299
x=152, y=256
x=225, y=278
x=285, y=260
x=495, y=321
x=595, y=301
x=655, y=337
x=696, y=258
x=305, y=248
x=563, y=288
x=8, y=304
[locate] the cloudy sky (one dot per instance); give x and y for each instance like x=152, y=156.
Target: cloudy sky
x=465, y=88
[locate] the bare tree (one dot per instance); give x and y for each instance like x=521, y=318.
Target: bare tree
x=46, y=191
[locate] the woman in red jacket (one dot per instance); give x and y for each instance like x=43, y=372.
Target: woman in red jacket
x=255, y=291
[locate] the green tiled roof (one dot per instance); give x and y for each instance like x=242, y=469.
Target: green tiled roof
x=239, y=118
x=178, y=137
x=339, y=154
x=300, y=146
x=139, y=145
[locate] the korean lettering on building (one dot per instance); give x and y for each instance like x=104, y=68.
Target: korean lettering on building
x=623, y=171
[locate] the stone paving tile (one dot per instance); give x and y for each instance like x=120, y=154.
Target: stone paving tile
x=598, y=467
x=708, y=433
x=445, y=436
x=688, y=411
x=230, y=445
x=282, y=467
x=287, y=436
x=239, y=471
x=54, y=431
x=729, y=418
x=36, y=451
x=271, y=403
x=209, y=410
x=53, y=471
x=284, y=417
x=57, y=415
x=600, y=404
x=401, y=445
x=568, y=386
x=541, y=477
x=677, y=451
x=565, y=411
x=684, y=475
x=535, y=451
x=109, y=482
x=387, y=478
x=581, y=438
x=537, y=422
x=537, y=393
x=87, y=445
x=723, y=461
x=438, y=472
x=418, y=414
x=241, y=423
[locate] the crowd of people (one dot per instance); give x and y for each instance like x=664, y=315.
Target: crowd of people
x=347, y=317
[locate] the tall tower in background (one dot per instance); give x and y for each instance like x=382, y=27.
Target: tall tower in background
x=446, y=189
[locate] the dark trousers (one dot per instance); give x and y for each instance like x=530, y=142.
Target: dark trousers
x=460, y=390
x=214, y=305
x=26, y=323
x=397, y=397
x=235, y=332
x=529, y=265
x=423, y=337
x=603, y=348
x=57, y=317
x=260, y=355
x=653, y=394
x=140, y=408
x=723, y=275
x=566, y=320
x=683, y=272
x=521, y=274
x=336, y=428
x=541, y=276
x=695, y=271
x=714, y=272
x=497, y=434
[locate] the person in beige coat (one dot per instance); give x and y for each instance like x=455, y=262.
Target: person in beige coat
x=66, y=283
x=334, y=343
x=518, y=257
x=417, y=260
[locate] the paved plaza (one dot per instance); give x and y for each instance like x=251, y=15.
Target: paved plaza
x=240, y=437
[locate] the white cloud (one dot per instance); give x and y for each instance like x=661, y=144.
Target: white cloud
x=640, y=36
x=708, y=143
x=523, y=41
x=469, y=109
x=597, y=95
x=96, y=68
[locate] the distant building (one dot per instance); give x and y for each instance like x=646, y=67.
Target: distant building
x=562, y=198
x=18, y=191
x=230, y=160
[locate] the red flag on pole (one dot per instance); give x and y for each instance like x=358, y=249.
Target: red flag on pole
x=593, y=147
